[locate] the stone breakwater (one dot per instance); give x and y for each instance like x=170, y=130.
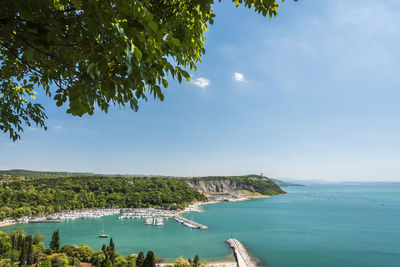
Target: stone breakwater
x=189, y=223
x=243, y=258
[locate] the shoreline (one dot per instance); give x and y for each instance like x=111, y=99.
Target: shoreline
x=231, y=260
x=227, y=261
x=7, y=223
x=193, y=207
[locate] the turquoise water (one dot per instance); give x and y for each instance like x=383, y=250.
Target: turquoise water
x=309, y=226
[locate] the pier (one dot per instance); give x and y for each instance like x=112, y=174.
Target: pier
x=45, y=221
x=243, y=258
x=189, y=223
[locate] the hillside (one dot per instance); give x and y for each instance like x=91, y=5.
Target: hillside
x=31, y=193
x=19, y=173
x=44, y=196
x=231, y=184
x=40, y=174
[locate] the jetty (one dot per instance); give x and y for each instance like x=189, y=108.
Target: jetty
x=45, y=221
x=189, y=223
x=243, y=258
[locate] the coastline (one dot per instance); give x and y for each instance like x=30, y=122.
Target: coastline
x=227, y=261
x=7, y=223
x=193, y=207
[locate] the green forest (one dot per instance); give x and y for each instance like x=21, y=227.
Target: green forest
x=16, y=249
x=44, y=196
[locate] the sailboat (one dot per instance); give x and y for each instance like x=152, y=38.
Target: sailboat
x=103, y=235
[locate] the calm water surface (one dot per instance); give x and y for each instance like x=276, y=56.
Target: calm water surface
x=309, y=226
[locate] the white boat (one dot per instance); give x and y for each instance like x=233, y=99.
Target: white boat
x=159, y=221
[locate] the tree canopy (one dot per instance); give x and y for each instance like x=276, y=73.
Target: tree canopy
x=96, y=53
x=44, y=196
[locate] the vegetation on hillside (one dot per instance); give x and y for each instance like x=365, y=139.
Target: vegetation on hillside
x=30, y=193
x=27, y=174
x=254, y=183
x=40, y=174
x=44, y=196
x=16, y=249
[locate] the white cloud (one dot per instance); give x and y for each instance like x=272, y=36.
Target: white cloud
x=201, y=82
x=57, y=127
x=239, y=77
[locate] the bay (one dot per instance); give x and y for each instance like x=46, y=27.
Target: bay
x=308, y=226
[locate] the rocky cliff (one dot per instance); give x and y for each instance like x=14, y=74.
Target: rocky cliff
x=230, y=184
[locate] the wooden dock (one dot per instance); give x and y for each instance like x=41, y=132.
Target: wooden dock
x=243, y=258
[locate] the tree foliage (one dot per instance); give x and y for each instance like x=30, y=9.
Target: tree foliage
x=140, y=259
x=55, y=241
x=44, y=196
x=95, y=53
x=150, y=260
x=71, y=255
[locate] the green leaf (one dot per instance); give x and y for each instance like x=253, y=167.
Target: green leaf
x=137, y=53
x=77, y=3
x=176, y=42
x=186, y=75
x=153, y=26
x=165, y=83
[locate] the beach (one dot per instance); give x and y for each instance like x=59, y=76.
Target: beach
x=6, y=223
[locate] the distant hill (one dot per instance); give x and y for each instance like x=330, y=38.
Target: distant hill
x=17, y=173
x=318, y=182
x=40, y=174
x=285, y=183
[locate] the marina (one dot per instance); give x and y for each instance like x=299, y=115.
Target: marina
x=158, y=216
x=83, y=214
x=152, y=216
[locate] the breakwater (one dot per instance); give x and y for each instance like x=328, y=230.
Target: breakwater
x=189, y=223
x=243, y=258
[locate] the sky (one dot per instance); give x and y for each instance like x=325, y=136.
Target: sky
x=311, y=94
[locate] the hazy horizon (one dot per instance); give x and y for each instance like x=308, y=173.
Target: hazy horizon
x=285, y=179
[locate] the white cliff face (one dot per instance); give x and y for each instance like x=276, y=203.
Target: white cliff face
x=217, y=186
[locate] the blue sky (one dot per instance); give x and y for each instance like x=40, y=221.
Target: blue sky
x=311, y=94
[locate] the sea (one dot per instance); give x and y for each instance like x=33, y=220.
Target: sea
x=309, y=226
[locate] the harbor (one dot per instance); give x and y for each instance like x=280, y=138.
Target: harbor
x=243, y=258
x=83, y=214
x=158, y=217
x=151, y=216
